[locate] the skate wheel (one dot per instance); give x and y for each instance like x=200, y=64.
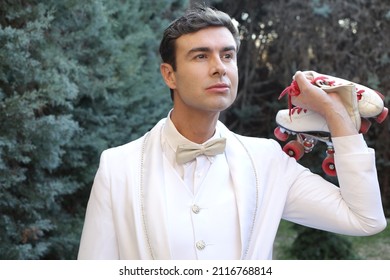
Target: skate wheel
x=365, y=126
x=294, y=149
x=382, y=116
x=282, y=136
x=328, y=166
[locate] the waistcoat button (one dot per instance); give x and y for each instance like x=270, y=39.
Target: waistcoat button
x=195, y=208
x=200, y=245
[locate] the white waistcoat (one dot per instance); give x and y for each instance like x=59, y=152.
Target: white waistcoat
x=193, y=232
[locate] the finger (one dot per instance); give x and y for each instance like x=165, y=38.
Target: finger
x=300, y=78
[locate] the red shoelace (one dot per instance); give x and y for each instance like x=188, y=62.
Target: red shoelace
x=293, y=90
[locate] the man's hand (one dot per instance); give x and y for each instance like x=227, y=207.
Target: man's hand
x=329, y=105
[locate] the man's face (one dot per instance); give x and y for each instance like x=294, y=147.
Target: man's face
x=206, y=76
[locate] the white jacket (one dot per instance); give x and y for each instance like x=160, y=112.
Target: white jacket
x=125, y=217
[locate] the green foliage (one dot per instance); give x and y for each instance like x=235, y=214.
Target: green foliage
x=32, y=139
x=313, y=244
x=320, y=9
x=375, y=247
x=76, y=77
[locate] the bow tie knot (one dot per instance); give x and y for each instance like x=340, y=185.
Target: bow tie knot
x=188, y=152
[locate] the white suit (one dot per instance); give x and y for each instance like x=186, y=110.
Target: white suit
x=127, y=211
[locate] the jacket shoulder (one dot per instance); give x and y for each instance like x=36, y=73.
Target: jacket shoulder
x=259, y=144
x=128, y=150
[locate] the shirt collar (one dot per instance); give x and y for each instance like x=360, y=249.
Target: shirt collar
x=174, y=138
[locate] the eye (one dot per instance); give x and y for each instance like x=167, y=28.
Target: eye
x=200, y=56
x=228, y=56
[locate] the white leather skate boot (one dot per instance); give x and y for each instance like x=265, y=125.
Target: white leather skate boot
x=370, y=102
x=298, y=120
x=346, y=91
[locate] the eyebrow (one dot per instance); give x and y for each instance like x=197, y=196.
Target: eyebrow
x=206, y=49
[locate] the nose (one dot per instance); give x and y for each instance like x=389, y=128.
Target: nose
x=218, y=67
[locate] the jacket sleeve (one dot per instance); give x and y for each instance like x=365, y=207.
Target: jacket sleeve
x=353, y=208
x=98, y=239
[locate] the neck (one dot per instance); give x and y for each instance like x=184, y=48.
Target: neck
x=197, y=127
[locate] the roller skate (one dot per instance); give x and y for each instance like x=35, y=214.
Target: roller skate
x=370, y=102
x=310, y=128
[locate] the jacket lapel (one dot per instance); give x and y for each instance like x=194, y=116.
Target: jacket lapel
x=153, y=196
x=245, y=180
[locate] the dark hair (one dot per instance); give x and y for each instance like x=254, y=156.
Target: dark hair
x=193, y=20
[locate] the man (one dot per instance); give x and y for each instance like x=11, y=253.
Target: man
x=151, y=200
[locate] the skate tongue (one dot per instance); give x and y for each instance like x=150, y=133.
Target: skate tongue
x=323, y=81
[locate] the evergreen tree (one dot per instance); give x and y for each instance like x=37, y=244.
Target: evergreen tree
x=36, y=98
x=76, y=77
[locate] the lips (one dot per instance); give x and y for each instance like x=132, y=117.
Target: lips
x=219, y=87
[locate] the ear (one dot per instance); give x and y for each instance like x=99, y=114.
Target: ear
x=168, y=75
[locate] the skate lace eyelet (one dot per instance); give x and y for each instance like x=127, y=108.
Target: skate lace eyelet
x=359, y=93
x=297, y=110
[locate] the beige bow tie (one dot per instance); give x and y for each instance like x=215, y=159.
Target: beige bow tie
x=188, y=152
